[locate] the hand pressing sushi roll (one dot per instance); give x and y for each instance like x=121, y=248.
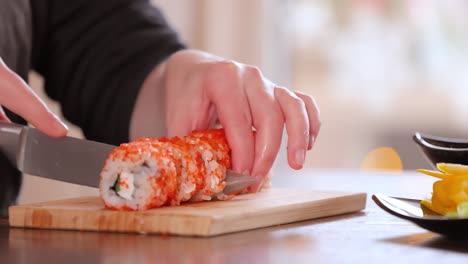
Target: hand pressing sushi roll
x=149, y=172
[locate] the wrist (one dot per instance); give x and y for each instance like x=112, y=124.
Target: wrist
x=148, y=117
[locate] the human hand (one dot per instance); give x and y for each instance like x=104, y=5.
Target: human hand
x=196, y=89
x=18, y=97
x=201, y=88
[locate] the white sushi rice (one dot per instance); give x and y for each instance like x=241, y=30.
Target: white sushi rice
x=213, y=169
x=185, y=180
x=139, y=171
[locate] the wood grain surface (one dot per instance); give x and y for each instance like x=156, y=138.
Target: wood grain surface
x=369, y=236
x=245, y=212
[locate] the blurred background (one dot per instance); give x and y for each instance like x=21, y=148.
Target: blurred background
x=379, y=70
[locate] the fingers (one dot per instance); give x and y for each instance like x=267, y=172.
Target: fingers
x=16, y=95
x=267, y=119
x=297, y=126
x=234, y=113
x=242, y=99
x=314, y=117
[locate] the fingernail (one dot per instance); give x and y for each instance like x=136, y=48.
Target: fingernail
x=300, y=156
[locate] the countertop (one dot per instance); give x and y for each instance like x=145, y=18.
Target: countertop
x=370, y=236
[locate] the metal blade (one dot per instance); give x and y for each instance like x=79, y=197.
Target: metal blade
x=66, y=159
x=80, y=161
x=236, y=182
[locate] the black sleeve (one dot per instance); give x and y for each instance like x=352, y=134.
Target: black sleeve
x=95, y=55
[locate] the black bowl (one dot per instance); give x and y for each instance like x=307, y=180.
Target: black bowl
x=442, y=149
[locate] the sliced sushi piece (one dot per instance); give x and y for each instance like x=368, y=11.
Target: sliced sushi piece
x=214, y=151
x=138, y=176
x=151, y=172
x=190, y=169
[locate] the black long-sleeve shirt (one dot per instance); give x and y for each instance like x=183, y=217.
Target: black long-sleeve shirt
x=94, y=57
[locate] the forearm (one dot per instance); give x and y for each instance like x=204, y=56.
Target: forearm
x=149, y=117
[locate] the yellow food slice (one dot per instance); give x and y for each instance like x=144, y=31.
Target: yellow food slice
x=449, y=192
x=442, y=201
x=459, y=190
x=428, y=204
x=436, y=174
x=452, y=168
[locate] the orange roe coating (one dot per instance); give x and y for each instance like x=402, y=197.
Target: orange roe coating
x=212, y=146
x=198, y=164
x=190, y=173
x=163, y=185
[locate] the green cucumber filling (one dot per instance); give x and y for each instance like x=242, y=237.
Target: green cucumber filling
x=124, y=185
x=116, y=186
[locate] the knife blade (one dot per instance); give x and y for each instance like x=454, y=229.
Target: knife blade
x=70, y=159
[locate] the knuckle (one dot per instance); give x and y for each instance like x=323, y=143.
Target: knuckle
x=225, y=68
x=299, y=102
x=309, y=101
x=253, y=71
x=222, y=71
x=306, y=98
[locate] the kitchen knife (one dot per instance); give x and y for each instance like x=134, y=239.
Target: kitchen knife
x=69, y=159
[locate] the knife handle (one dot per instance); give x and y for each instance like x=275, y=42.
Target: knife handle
x=10, y=136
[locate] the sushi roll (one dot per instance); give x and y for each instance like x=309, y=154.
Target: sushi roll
x=138, y=176
x=190, y=169
x=212, y=147
x=150, y=172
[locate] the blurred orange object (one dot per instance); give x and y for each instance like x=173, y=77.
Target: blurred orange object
x=382, y=159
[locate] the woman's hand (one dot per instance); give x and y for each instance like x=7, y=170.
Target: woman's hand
x=201, y=89
x=18, y=97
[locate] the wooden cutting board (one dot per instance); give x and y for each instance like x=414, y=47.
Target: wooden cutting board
x=250, y=211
